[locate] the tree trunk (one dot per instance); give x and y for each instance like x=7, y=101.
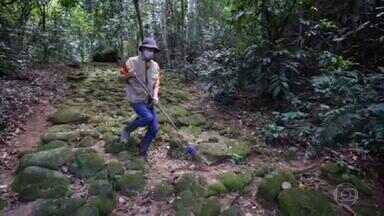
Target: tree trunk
x=140, y=22
x=164, y=31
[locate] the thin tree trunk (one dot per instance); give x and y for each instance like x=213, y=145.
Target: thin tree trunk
x=139, y=20
x=165, y=32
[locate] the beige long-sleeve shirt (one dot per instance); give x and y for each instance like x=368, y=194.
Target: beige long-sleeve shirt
x=147, y=72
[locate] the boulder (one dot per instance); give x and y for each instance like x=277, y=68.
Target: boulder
x=68, y=115
x=52, y=159
x=233, y=211
x=36, y=182
x=87, y=210
x=57, y=207
x=130, y=161
x=192, y=183
x=104, y=205
x=211, y=207
x=52, y=145
x=131, y=184
x=216, y=147
x=270, y=186
x=66, y=136
x=87, y=163
x=115, y=146
x=340, y=174
x=101, y=188
x=216, y=189
x=301, y=202
x=114, y=168
x=235, y=182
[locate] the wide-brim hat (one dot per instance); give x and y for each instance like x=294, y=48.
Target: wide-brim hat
x=149, y=42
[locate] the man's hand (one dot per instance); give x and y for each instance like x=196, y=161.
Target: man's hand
x=155, y=100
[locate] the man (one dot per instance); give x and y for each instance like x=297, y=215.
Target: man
x=138, y=71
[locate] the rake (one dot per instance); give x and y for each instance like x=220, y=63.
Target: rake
x=190, y=150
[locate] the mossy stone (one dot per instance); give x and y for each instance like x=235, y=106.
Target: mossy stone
x=69, y=136
x=52, y=145
x=87, y=141
x=235, y=182
x=211, y=207
x=261, y=171
x=87, y=210
x=103, y=204
x=37, y=182
x=52, y=159
x=191, y=182
x=162, y=191
x=233, y=211
x=300, y=202
x=115, y=146
x=57, y=207
x=130, y=161
x=339, y=174
x=216, y=188
x=101, y=188
x=187, y=203
x=87, y=163
x=194, y=120
x=68, y=115
x=131, y=184
x=115, y=168
x=270, y=186
x=332, y=169
x=3, y=204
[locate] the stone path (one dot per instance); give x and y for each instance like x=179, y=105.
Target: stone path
x=80, y=168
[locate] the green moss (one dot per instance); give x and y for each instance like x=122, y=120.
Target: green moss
x=101, y=188
x=194, y=120
x=104, y=205
x=216, y=188
x=270, y=186
x=261, y=171
x=87, y=141
x=177, y=111
x=357, y=182
x=192, y=183
x=115, y=146
x=210, y=208
x=52, y=159
x=63, y=116
x=187, y=202
x=300, y=202
x=233, y=211
x=115, y=168
x=87, y=163
x=87, y=210
x=3, y=204
x=52, y=145
x=235, y=182
x=57, y=207
x=340, y=174
x=130, y=161
x=36, y=182
x=69, y=136
x=131, y=183
x=162, y=191
x=332, y=169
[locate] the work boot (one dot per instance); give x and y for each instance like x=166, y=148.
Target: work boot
x=126, y=133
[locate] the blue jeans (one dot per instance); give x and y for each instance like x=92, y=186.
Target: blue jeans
x=146, y=117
